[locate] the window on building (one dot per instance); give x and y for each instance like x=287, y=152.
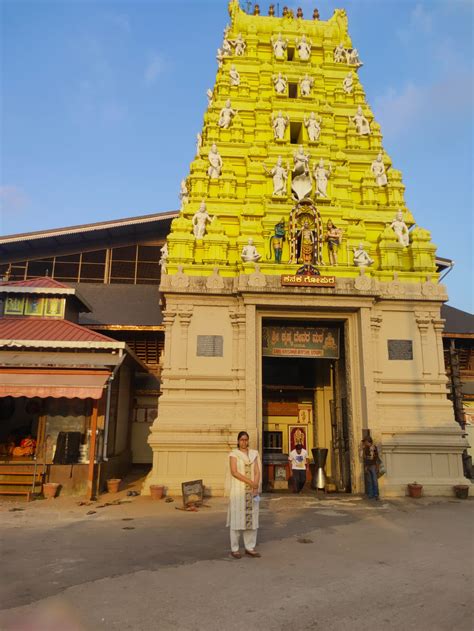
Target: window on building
x=148, y=265
x=93, y=266
x=296, y=135
x=292, y=90
x=273, y=441
x=123, y=264
x=66, y=268
x=291, y=53
x=14, y=271
x=131, y=264
x=40, y=267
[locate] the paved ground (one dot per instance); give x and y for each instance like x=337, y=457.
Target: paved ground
x=333, y=563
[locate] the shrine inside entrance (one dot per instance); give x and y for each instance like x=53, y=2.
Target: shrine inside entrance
x=304, y=401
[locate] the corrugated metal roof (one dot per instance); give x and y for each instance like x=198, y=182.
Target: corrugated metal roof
x=48, y=243
x=457, y=321
x=41, y=281
x=88, y=227
x=136, y=305
x=17, y=329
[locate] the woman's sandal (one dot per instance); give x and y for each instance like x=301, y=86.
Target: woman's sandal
x=252, y=553
x=236, y=555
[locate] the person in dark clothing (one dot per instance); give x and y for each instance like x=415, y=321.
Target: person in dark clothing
x=371, y=461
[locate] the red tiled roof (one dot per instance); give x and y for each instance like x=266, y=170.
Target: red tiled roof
x=42, y=281
x=18, y=329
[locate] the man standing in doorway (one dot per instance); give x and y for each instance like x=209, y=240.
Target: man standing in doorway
x=371, y=460
x=298, y=458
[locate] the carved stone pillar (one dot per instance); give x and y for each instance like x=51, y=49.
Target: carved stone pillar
x=184, y=315
x=168, y=321
x=375, y=325
x=423, y=321
x=438, y=326
x=234, y=320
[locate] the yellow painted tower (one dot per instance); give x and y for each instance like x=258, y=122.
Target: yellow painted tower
x=286, y=85
x=300, y=301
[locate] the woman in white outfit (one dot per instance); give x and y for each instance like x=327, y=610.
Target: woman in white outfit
x=243, y=490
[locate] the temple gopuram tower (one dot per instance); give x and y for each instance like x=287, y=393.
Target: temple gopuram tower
x=301, y=301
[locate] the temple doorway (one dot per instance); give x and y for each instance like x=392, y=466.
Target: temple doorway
x=304, y=398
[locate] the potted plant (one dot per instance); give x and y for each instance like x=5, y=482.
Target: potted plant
x=156, y=491
x=50, y=489
x=113, y=485
x=461, y=491
x=415, y=489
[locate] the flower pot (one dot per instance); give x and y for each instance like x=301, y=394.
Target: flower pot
x=461, y=491
x=156, y=491
x=415, y=490
x=50, y=489
x=113, y=485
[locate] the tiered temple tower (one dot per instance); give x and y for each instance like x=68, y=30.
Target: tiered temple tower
x=243, y=197
x=289, y=143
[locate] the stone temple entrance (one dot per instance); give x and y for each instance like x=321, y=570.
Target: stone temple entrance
x=304, y=399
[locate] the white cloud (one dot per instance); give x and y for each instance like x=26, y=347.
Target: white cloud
x=113, y=112
x=12, y=199
x=420, y=22
x=121, y=21
x=399, y=110
x=155, y=67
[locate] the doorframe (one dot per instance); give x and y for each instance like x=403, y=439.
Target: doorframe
x=351, y=325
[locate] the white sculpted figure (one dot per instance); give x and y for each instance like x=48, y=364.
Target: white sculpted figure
x=303, y=46
x=183, y=193
x=340, y=54
x=215, y=163
x=200, y=220
x=280, y=176
x=226, y=46
x=348, y=83
x=401, y=229
x=361, y=123
x=353, y=57
x=239, y=45
x=306, y=83
x=234, y=76
x=210, y=96
x=378, y=169
x=361, y=258
x=198, y=143
x=226, y=115
x=280, y=83
x=279, y=124
x=279, y=46
x=164, y=258
x=313, y=125
x=249, y=253
x=219, y=57
x=321, y=176
x=301, y=177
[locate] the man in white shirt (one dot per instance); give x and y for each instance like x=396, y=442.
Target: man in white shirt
x=298, y=458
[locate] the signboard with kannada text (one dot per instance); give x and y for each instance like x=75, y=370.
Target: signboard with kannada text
x=307, y=280
x=291, y=341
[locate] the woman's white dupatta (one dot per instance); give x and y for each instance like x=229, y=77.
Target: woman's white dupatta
x=242, y=512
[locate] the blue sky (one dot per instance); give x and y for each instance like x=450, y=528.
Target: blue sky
x=102, y=100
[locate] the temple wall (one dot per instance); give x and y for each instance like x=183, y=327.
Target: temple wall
x=207, y=400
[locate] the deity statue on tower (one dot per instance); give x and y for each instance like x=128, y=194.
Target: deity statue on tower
x=279, y=175
x=313, y=125
x=361, y=123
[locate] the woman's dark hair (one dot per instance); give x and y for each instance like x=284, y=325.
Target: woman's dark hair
x=240, y=436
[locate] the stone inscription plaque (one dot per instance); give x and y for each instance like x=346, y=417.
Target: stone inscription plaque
x=210, y=346
x=400, y=349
